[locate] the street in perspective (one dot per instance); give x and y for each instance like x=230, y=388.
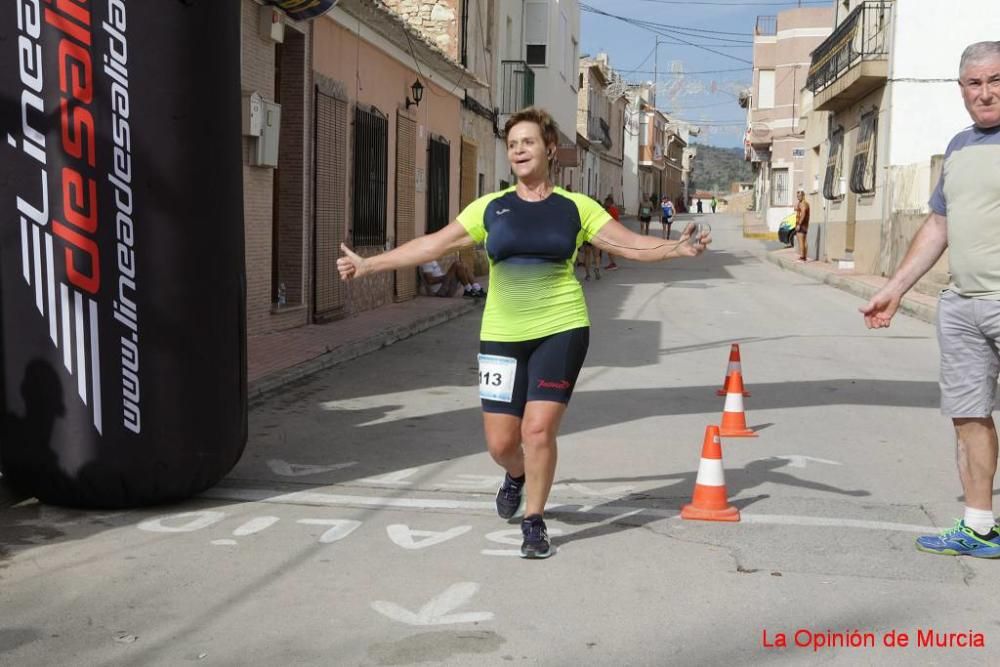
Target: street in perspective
x=359, y=527
x=464, y=332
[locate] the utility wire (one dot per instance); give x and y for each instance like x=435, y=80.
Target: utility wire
x=633, y=22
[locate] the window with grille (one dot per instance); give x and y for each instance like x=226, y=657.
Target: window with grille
x=371, y=147
x=536, y=32
x=780, y=190
x=831, y=182
x=438, y=172
x=863, y=165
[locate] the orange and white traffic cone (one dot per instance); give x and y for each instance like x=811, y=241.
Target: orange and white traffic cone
x=734, y=419
x=733, y=367
x=709, y=501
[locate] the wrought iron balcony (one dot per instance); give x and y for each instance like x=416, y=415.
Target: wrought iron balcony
x=517, y=86
x=852, y=61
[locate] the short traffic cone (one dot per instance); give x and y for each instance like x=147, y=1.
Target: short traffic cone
x=733, y=367
x=709, y=502
x=734, y=420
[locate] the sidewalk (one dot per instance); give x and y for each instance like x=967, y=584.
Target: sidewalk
x=276, y=359
x=915, y=304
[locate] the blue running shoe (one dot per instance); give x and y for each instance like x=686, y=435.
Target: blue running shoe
x=509, y=497
x=536, y=538
x=960, y=540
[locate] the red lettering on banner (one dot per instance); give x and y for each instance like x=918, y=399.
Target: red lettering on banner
x=89, y=282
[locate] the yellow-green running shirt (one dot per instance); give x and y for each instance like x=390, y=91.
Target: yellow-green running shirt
x=532, y=251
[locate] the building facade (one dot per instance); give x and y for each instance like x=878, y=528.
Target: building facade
x=774, y=139
x=881, y=108
x=362, y=143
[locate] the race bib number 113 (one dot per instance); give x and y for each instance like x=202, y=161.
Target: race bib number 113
x=496, y=377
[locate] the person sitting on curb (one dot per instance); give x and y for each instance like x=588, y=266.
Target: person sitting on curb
x=445, y=283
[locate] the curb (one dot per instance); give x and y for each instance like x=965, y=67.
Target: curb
x=909, y=305
x=264, y=387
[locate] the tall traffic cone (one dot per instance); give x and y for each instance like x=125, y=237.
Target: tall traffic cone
x=709, y=502
x=734, y=420
x=733, y=367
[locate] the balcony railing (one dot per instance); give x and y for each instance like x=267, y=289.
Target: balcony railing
x=517, y=86
x=863, y=35
x=767, y=26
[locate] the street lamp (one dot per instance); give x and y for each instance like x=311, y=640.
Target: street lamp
x=418, y=94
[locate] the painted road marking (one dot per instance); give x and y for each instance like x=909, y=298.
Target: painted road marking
x=339, y=528
x=317, y=498
x=409, y=404
x=403, y=535
x=437, y=611
x=397, y=478
x=799, y=461
x=286, y=469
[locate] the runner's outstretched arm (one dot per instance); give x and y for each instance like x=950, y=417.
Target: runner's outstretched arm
x=412, y=253
x=622, y=241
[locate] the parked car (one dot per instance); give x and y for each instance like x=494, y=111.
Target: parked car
x=786, y=230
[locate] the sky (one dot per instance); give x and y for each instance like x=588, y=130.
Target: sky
x=699, y=84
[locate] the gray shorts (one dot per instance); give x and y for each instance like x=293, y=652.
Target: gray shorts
x=968, y=331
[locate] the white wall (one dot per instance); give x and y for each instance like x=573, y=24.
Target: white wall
x=555, y=87
x=630, y=165
x=930, y=36
x=507, y=48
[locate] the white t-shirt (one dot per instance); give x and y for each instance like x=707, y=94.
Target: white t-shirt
x=433, y=268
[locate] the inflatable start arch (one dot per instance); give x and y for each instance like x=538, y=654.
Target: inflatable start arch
x=122, y=306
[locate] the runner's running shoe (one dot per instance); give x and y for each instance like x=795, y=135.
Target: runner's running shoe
x=509, y=497
x=536, y=538
x=960, y=540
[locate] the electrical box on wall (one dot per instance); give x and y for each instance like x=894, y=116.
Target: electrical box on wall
x=265, y=152
x=272, y=26
x=253, y=114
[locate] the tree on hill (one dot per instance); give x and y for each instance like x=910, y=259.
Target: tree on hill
x=715, y=169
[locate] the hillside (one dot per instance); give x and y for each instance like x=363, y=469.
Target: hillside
x=716, y=168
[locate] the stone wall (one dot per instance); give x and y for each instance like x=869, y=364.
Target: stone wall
x=436, y=21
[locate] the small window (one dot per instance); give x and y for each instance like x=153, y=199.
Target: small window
x=371, y=128
x=535, y=54
x=863, y=165
x=438, y=176
x=780, y=190
x=765, y=89
x=831, y=181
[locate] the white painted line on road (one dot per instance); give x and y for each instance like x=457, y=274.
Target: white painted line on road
x=286, y=469
x=788, y=520
x=317, y=498
x=436, y=612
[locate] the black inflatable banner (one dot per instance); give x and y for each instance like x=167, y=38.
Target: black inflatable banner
x=304, y=9
x=122, y=306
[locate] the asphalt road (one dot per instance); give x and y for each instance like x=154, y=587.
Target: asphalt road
x=359, y=529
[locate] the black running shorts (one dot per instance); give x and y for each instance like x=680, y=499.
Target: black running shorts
x=544, y=369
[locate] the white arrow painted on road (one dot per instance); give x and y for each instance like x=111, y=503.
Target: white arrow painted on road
x=403, y=536
x=340, y=528
x=799, y=461
x=286, y=469
x=436, y=612
x=465, y=482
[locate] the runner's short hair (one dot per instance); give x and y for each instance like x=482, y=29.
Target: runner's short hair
x=539, y=116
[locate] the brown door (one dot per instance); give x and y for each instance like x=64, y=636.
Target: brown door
x=467, y=190
x=331, y=205
x=406, y=199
